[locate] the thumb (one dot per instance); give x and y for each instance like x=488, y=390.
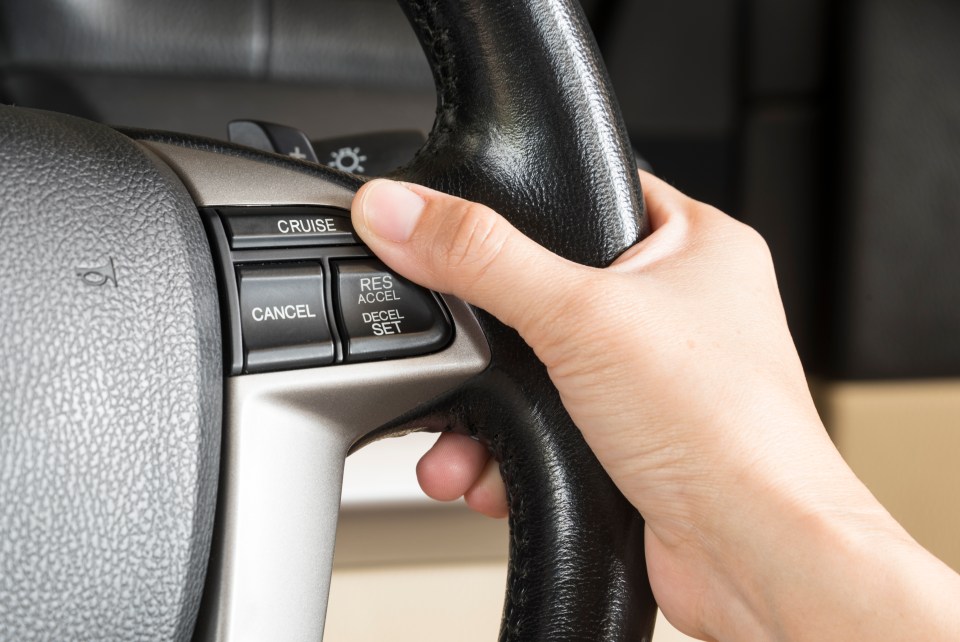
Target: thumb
x=452, y=245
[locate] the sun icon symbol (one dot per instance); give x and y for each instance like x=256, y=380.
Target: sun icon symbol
x=348, y=159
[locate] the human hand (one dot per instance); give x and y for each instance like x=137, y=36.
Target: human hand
x=677, y=365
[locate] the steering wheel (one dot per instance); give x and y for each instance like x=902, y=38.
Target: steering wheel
x=148, y=491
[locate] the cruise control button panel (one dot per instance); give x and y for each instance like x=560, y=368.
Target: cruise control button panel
x=383, y=315
x=255, y=227
x=283, y=317
x=298, y=290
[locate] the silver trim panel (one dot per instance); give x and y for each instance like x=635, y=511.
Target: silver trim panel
x=218, y=180
x=285, y=440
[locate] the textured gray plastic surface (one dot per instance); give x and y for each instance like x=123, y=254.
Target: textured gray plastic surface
x=352, y=42
x=110, y=387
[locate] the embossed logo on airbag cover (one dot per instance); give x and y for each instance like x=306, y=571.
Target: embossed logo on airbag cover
x=98, y=275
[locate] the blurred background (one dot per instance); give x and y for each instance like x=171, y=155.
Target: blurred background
x=833, y=128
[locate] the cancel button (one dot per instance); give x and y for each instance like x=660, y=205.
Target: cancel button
x=283, y=318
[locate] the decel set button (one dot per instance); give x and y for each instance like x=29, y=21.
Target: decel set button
x=283, y=317
x=383, y=315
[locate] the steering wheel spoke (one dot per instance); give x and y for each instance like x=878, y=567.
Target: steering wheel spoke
x=286, y=436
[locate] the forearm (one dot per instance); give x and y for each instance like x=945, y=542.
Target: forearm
x=830, y=563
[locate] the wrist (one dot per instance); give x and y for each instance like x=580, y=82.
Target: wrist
x=824, y=560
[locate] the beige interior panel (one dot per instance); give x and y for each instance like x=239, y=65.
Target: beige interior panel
x=439, y=534
x=903, y=440
x=420, y=602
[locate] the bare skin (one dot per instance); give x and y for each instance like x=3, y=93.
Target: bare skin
x=689, y=390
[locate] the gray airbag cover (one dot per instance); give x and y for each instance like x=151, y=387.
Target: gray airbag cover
x=110, y=387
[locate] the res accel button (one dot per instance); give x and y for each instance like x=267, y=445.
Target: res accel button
x=384, y=315
x=283, y=318
x=262, y=227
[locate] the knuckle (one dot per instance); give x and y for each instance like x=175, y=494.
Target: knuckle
x=556, y=324
x=720, y=226
x=475, y=241
x=754, y=242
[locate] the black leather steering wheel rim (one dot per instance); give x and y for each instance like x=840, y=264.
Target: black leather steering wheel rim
x=527, y=124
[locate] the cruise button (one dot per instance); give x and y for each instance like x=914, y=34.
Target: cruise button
x=283, y=318
x=384, y=315
x=262, y=227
